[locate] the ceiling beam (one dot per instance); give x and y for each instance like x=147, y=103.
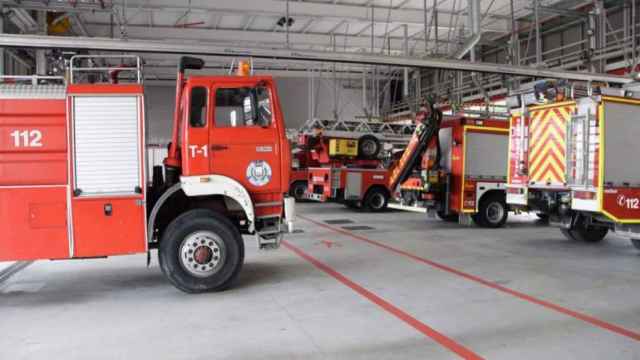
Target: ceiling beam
x=297, y=9
x=181, y=47
x=250, y=37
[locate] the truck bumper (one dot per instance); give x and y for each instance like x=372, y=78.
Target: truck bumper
x=289, y=213
x=314, y=197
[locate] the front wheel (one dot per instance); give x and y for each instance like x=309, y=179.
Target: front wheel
x=636, y=243
x=298, y=190
x=376, y=200
x=492, y=212
x=201, y=251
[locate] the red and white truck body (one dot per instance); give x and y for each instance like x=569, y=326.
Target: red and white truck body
x=368, y=137
x=74, y=181
x=573, y=162
x=470, y=177
x=346, y=184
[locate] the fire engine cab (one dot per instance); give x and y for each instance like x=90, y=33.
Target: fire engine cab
x=74, y=182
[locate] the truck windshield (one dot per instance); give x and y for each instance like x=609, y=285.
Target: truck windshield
x=245, y=106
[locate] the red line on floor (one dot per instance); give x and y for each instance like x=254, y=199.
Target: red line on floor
x=387, y=306
x=577, y=315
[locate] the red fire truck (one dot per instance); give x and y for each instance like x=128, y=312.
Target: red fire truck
x=73, y=179
x=467, y=183
x=354, y=143
x=571, y=159
x=461, y=177
x=370, y=186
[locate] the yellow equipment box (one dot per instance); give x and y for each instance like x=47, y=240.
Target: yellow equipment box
x=343, y=147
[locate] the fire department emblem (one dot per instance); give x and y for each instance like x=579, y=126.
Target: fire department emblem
x=259, y=173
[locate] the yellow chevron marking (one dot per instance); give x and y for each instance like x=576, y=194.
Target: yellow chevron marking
x=551, y=117
x=547, y=140
x=544, y=140
x=545, y=155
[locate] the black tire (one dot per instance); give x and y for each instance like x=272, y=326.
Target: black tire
x=568, y=234
x=492, y=212
x=591, y=234
x=211, y=234
x=543, y=216
x=585, y=233
x=298, y=189
x=376, y=200
x=636, y=243
x=409, y=198
x=351, y=204
x=451, y=217
x=369, y=147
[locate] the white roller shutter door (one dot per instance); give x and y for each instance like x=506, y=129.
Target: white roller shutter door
x=107, y=144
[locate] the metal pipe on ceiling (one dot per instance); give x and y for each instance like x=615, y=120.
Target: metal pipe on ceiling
x=171, y=47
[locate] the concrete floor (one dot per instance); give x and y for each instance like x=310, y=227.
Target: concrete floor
x=515, y=293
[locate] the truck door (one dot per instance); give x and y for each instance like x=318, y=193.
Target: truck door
x=244, y=137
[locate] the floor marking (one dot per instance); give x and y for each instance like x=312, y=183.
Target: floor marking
x=443, y=340
x=13, y=269
x=329, y=244
x=577, y=315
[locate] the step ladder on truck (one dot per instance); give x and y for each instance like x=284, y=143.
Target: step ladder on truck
x=570, y=159
x=74, y=182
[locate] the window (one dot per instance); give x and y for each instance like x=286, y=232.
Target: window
x=198, y=111
x=245, y=106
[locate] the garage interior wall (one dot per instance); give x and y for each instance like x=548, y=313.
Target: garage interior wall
x=294, y=96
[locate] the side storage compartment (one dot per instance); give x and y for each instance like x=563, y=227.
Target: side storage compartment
x=34, y=223
x=108, y=202
x=619, y=170
x=33, y=173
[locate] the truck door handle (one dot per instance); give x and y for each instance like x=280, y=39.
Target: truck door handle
x=219, y=147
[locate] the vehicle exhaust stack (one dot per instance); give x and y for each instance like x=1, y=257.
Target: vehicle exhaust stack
x=185, y=63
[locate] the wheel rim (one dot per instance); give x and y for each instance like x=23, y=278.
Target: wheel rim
x=202, y=253
x=495, y=212
x=377, y=201
x=369, y=148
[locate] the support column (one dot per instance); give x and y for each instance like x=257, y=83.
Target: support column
x=405, y=50
x=536, y=12
x=474, y=23
x=364, y=90
x=2, y=52
x=515, y=42
x=41, y=59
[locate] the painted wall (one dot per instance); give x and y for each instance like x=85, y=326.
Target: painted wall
x=294, y=97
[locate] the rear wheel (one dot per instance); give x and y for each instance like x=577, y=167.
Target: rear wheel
x=451, y=217
x=492, y=212
x=636, y=243
x=376, y=200
x=585, y=233
x=568, y=234
x=351, y=204
x=201, y=251
x=298, y=189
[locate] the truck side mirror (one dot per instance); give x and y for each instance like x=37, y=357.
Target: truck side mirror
x=264, y=112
